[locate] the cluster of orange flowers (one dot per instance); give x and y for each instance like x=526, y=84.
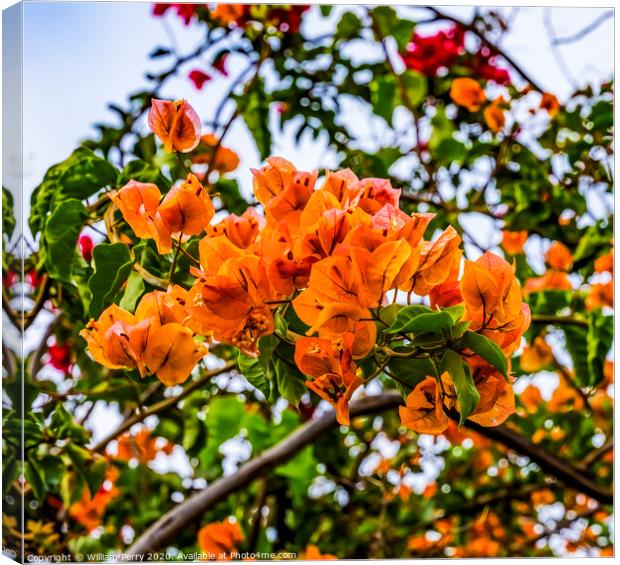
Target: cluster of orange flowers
x=490, y=293
x=468, y=92
x=153, y=340
x=332, y=251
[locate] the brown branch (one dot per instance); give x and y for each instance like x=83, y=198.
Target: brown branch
x=176, y=519
x=559, y=320
x=549, y=462
x=161, y=406
x=192, y=508
x=592, y=457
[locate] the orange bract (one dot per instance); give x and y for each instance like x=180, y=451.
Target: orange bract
x=558, y=257
x=219, y=158
x=313, y=553
x=184, y=211
x=220, y=539
x=176, y=124
x=154, y=340
x=467, y=92
x=493, y=303
x=329, y=362
x=550, y=103
x=494, y=115
x=141, y=446
x=512, y=241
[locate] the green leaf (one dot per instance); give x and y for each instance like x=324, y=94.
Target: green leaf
x=383, y=96
x=300, y=471
x=290, y=381
x=34, y=475
x=254, y=108
x=86, y=176
x=133, y=291
x=349, y=26
x=224, y=419
x=410, y=372
x=599, y=341
x=487, y=349
x=435, y=322
x=405, y=315
x=113, y=264
x=92, y=469
x=65, y=427
x=8, y=216
x=443, y=128
x=141, y=171
x=577, y=345
x=416, y=87
x=254, y=372
x=60, y=236
x=466, y=392
x=230, y=195
x=402, y=32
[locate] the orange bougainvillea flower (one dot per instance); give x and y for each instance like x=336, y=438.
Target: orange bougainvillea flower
x=176, y=124
x=558, y=257
x=600, y=295
x=513, y=241
x=494, y=115
x=439, y=262
x=536, y=356
x=283, y=190
x=219, y=539
x=219, y=158
x=329, y=362
x=423, y=411
x=313, y=553
x=89, y=511
x=152, y=341
x=468, y=93
x=551, y=280
x=141, y=446
x=493, y=303
x=605, y=263
x=550, y=103
x=184, y=211
x=138, y=202
x=229, y=13
x=497, y=399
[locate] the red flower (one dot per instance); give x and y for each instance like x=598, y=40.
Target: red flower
x=428, y=54
x=185, y=11
x=33, y=278
x=220, y=64
x=86, y=247
x=160, y=8
x=10, y=279
x=199, y=78
x=60, y=357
